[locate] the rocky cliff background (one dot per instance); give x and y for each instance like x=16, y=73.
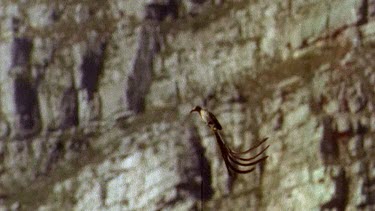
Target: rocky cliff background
x=95, y=98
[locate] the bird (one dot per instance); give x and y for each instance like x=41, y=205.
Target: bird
x=208, y=118
x=232, y=159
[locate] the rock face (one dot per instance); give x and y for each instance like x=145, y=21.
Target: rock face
x=140, y=77
x=95, y=98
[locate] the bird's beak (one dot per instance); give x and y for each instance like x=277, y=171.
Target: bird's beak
x=192, y=110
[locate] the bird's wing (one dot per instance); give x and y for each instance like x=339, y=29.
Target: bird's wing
x=215, y=121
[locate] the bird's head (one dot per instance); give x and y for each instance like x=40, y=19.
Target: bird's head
x=196, y=108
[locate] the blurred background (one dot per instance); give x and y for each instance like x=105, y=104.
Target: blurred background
x=95, y=99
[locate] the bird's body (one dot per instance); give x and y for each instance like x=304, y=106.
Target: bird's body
x=208, y=118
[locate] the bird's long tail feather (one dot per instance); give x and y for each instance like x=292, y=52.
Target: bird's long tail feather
x=231, y=159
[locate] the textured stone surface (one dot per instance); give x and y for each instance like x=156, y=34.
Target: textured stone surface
x=140, y=77
x=95, y=98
